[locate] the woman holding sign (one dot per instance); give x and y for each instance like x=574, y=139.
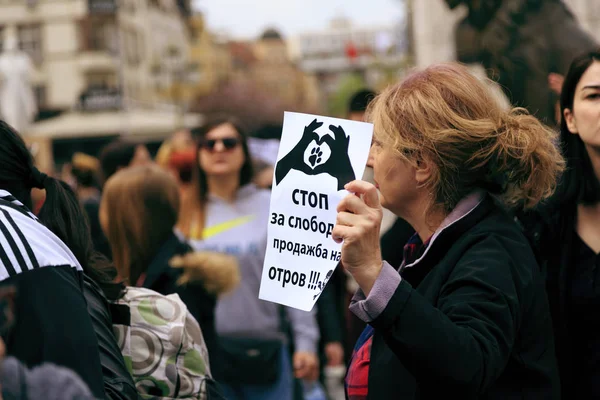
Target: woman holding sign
x=466, y=313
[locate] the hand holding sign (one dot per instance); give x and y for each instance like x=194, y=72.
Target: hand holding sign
x=313, y=166
x=358, y=224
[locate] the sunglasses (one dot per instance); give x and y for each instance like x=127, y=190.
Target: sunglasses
x=228, y=143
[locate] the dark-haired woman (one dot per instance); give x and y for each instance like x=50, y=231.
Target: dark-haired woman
x=52, y=321
x=233, y=218
x=45, y=260
x=566, y=234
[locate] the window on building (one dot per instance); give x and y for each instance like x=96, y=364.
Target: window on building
x=103, y=34
x=134, y=45
x=30, y=41
x=101, y=80
x=2, y=38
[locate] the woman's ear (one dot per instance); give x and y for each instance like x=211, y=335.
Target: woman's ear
x=570, y=120
x=423, y=171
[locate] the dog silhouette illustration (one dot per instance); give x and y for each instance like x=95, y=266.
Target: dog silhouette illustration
x=321, y=285
x=328, y=155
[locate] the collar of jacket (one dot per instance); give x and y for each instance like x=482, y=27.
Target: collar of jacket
x=159, y=265
x=468, y=212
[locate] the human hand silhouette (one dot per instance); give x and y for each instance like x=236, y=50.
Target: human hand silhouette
x=338, y=165
x=295, y=158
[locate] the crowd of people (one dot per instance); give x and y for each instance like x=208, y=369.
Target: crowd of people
x=135, y=276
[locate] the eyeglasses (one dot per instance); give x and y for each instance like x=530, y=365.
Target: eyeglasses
x=228, y=143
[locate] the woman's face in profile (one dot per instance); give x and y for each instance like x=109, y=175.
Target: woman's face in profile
x=394, y=177
x=584, y=119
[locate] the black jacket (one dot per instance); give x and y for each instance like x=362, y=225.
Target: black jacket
x=551, y=230
x=470, y=319
x=52, y=324
x=118, y=383
x=208, y=274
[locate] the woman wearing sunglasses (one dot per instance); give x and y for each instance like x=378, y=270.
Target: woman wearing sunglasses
x=231, y=216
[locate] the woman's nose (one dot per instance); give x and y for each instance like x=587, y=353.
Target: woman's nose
x=371, y=158
x=219, y=146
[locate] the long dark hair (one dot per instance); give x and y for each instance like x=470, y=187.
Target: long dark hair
x=579, y=183
x=61, y=211
x=199, y=133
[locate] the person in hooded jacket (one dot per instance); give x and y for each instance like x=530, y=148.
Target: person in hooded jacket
x=139, y=210
x=44, y=258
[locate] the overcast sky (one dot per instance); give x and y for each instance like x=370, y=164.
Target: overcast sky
x=249, y=18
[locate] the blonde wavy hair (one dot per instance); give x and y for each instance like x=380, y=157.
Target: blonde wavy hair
x=447, y=116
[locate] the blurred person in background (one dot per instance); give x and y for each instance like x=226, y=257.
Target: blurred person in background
x=169, y=357
x=178, y=156
x=140, y=208
x=555, y=83
x=466, y=314
x=566, y=234
x=86, y=171
x=122, y=154
x=46, y=381
x=263, y=178
x=358, y=103
x=264, y=146
x=233, y=218
x=45, y=262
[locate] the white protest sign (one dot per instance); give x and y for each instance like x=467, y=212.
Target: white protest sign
x=317, y=157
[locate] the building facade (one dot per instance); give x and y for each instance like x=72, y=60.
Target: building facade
x=210, y=54
x=377, y=54
x=105, y=68
x=85, y=47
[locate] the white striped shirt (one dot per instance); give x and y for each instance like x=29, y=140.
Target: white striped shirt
x=25, y=243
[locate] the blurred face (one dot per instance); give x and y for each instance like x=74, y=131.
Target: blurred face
x=221, y=152
x=357, y=116
x=141, y=156
x=395, y=178
x=182, y=140
x=584, y=118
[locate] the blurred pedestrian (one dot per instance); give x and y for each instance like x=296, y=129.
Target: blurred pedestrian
x=122, y=154
x=52, y=324
x=138, y=213
x=233, y=219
